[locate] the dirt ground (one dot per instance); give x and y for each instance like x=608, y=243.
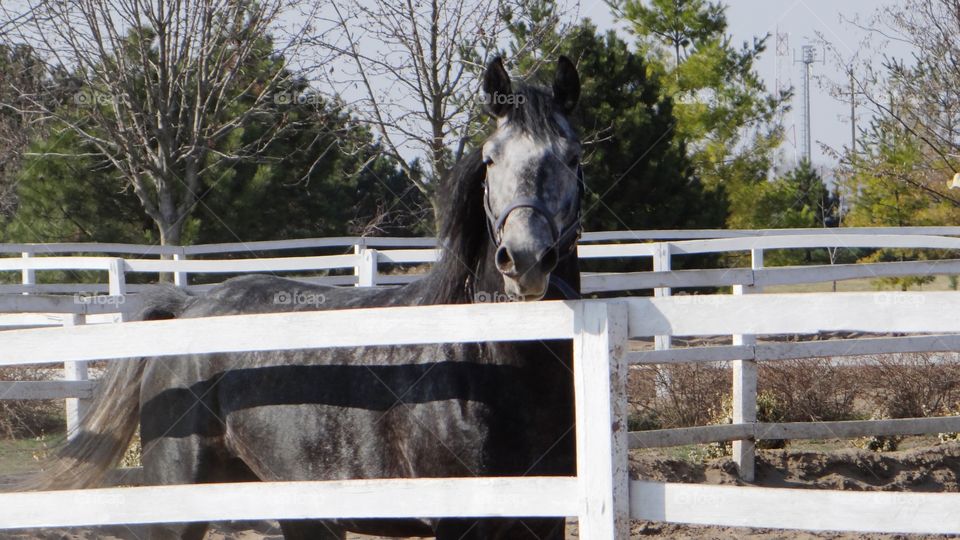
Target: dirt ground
x=933, y=468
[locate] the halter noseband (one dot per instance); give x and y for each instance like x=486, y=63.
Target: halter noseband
x=563, y=241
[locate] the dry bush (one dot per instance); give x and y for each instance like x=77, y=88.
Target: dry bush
x=811, y=389
x=29, y=418
x=691, y=393
x=912, y=385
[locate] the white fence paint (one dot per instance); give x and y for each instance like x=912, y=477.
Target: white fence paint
x=422, y=251
x=808, y=509
x=596, y=496
x=389, y=498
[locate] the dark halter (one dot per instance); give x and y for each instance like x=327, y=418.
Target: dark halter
x=564, y=241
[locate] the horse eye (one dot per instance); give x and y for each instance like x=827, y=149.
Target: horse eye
x=488, y=161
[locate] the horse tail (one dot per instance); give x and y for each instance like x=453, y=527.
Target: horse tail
x=112, y=419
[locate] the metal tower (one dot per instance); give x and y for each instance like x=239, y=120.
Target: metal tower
x=808, y=57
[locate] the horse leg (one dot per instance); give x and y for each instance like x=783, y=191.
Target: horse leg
x=311, y=530
x=171, y=461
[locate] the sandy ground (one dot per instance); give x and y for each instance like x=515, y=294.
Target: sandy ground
x=929, y=469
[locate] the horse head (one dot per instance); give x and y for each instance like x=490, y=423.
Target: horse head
x=533, y=180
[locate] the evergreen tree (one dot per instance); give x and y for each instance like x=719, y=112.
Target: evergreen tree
x=724, y=112
x=637, y=173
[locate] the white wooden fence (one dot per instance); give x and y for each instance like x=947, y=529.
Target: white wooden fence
x=363, y=267
x=598, y=495
x=602, y=496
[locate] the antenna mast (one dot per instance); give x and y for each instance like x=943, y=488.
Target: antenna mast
x=808, y=57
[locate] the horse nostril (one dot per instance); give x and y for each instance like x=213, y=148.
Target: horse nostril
x=548, y=261
x=505, y=263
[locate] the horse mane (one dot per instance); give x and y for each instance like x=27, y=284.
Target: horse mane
x=462, y=231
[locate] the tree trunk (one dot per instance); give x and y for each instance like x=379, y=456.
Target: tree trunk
x=171, y=229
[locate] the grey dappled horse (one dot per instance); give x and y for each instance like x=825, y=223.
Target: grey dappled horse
x=511, y=218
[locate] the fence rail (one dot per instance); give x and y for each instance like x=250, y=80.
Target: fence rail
x=364, y=263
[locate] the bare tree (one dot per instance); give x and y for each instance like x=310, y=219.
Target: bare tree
x=163, y=83
x=409, y=70
x=917, y=94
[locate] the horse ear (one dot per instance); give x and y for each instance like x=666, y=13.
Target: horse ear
x=496, y=86
x=566, y=85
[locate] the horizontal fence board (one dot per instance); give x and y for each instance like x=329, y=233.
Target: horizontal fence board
x=277, y=264
x=662, y=438
x=721, y=353
x=332, y=281
x=32, y=303
x=408, y=256
x=308, y=243
x=376, y=242
x=839, y=272
x=793, y=350
x=8, y=320
x=858, y=347
x=812, y=241
x=594, y=251
x=690, y=234
x=358, y=499
x=789, y=275
x=806, y=509
x=286, y=331
x=857, y=428
x=845, y=429
x=710, y=315
x=93, y=247
x=55, y=263
x=56, y=288
x=627, y=281
x=10, y=390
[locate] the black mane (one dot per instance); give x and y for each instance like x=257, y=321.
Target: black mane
x=462, y=233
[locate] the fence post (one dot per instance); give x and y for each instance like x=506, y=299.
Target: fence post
x=661, y=263
x=745, y=385
x=367, y=269
x=76, y=408
x=600, y=387
x=180, y=279
x=118, y=282
x=28, y=276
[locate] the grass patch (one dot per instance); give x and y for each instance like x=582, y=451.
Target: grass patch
x=24, y=455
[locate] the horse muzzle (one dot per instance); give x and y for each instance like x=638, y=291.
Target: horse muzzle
x=526, y=268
